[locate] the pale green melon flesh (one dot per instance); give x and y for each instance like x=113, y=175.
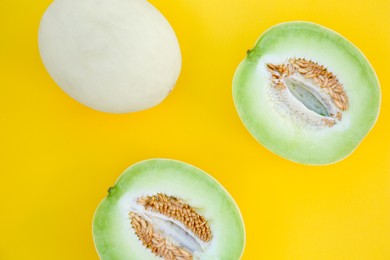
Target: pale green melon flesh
x=116, y=240
x=284, y=136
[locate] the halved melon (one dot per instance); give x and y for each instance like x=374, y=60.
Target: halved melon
x=306, y=93
x=168, y=209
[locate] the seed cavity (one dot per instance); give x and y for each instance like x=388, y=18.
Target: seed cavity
x=307, y=96
x=320, y=95
x=155, y=241
x=170, y=228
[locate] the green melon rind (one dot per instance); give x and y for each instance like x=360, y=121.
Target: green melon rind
x=287, y=139
x=113, y=236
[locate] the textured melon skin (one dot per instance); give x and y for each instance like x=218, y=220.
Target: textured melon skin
x=115, y=239
x=288, y=139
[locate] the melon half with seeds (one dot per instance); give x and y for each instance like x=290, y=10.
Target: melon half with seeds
x=306, y=93
x=165, y=209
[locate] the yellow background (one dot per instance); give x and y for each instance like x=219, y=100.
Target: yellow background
x=58, y=157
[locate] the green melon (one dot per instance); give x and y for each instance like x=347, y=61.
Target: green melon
x=306, y=93
x=165, y=209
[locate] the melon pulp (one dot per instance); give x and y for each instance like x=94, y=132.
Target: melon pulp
x=196, y=219
x=306, y=93
x=114, y=56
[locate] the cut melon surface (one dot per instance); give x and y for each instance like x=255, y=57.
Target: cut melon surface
x=114, y=225
x=306, y=93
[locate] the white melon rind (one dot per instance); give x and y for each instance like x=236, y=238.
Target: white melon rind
x=114, y=56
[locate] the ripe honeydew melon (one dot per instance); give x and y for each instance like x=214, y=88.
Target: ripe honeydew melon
x=129, y=224
x=111, y=55
x=306, y=93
